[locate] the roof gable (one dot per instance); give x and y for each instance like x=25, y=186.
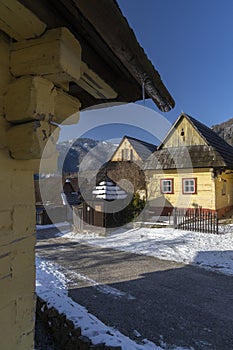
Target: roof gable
x=143, y=149
x=204, y=146
x=183, y=133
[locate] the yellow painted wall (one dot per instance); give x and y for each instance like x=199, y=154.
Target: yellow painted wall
x=205, y=196
x=190, y=138
x=17, y=235
x=25, y=142
x=125, y=145
x=224, y=190
x=212, y=192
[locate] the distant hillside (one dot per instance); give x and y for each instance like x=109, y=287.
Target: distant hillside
x=225, y=130
x=87, y=152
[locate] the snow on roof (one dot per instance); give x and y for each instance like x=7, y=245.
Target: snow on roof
x=108, y=190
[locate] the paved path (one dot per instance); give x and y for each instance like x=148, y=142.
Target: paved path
x=144, y=297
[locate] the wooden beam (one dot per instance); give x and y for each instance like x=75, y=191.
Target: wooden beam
x=56, y=56
x=18, y=21
x=28, y=140
x=66, y=108
x=35, y=98
x=94, y=85
x=115, y=31
x=29, y=98
x=95, y=53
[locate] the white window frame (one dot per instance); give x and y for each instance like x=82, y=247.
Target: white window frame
x=189, y=185
x=167, y=186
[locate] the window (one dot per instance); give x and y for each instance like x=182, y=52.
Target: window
x=189, y=186
x=125, y=154
x=166, y=186
x=224, y=187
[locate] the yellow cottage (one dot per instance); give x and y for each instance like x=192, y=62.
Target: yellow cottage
x=193, y=167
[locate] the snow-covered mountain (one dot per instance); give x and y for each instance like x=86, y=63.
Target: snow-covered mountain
x=83, y=153
x=225, y=130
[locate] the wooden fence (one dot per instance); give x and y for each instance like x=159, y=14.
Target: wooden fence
x=196, y=219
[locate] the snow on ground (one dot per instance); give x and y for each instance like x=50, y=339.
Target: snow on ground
x=58, y=225
x=52, y=287
x=206, y=250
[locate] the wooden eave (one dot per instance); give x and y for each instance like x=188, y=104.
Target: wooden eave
x=109, y=47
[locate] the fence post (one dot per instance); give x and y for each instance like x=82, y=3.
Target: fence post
x=175, y=217
x=197, y=219
x=216, y=216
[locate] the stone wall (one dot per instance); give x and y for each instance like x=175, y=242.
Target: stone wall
x=64, y=332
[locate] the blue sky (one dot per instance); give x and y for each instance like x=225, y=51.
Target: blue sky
x=190, y=43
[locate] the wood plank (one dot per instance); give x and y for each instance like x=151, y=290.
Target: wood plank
x=18, y=21
x=94, y=85
x=28, y=140
x=56, y=56
x=29, y=98
x=66, y=108
x=95, y=52
x=115, y=31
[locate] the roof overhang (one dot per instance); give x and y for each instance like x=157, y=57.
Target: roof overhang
x=109, y=48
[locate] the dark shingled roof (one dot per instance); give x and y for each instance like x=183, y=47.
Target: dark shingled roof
x=143, y=149
x=217, y=153
x=215, y=141
x=185, y=157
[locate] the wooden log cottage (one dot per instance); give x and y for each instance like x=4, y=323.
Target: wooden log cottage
x=192, y=168
x=56, y=57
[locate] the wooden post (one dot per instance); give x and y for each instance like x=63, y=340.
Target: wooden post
x=216, y=217
x=175, y=217
x=211, y=222
x=195, y=219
